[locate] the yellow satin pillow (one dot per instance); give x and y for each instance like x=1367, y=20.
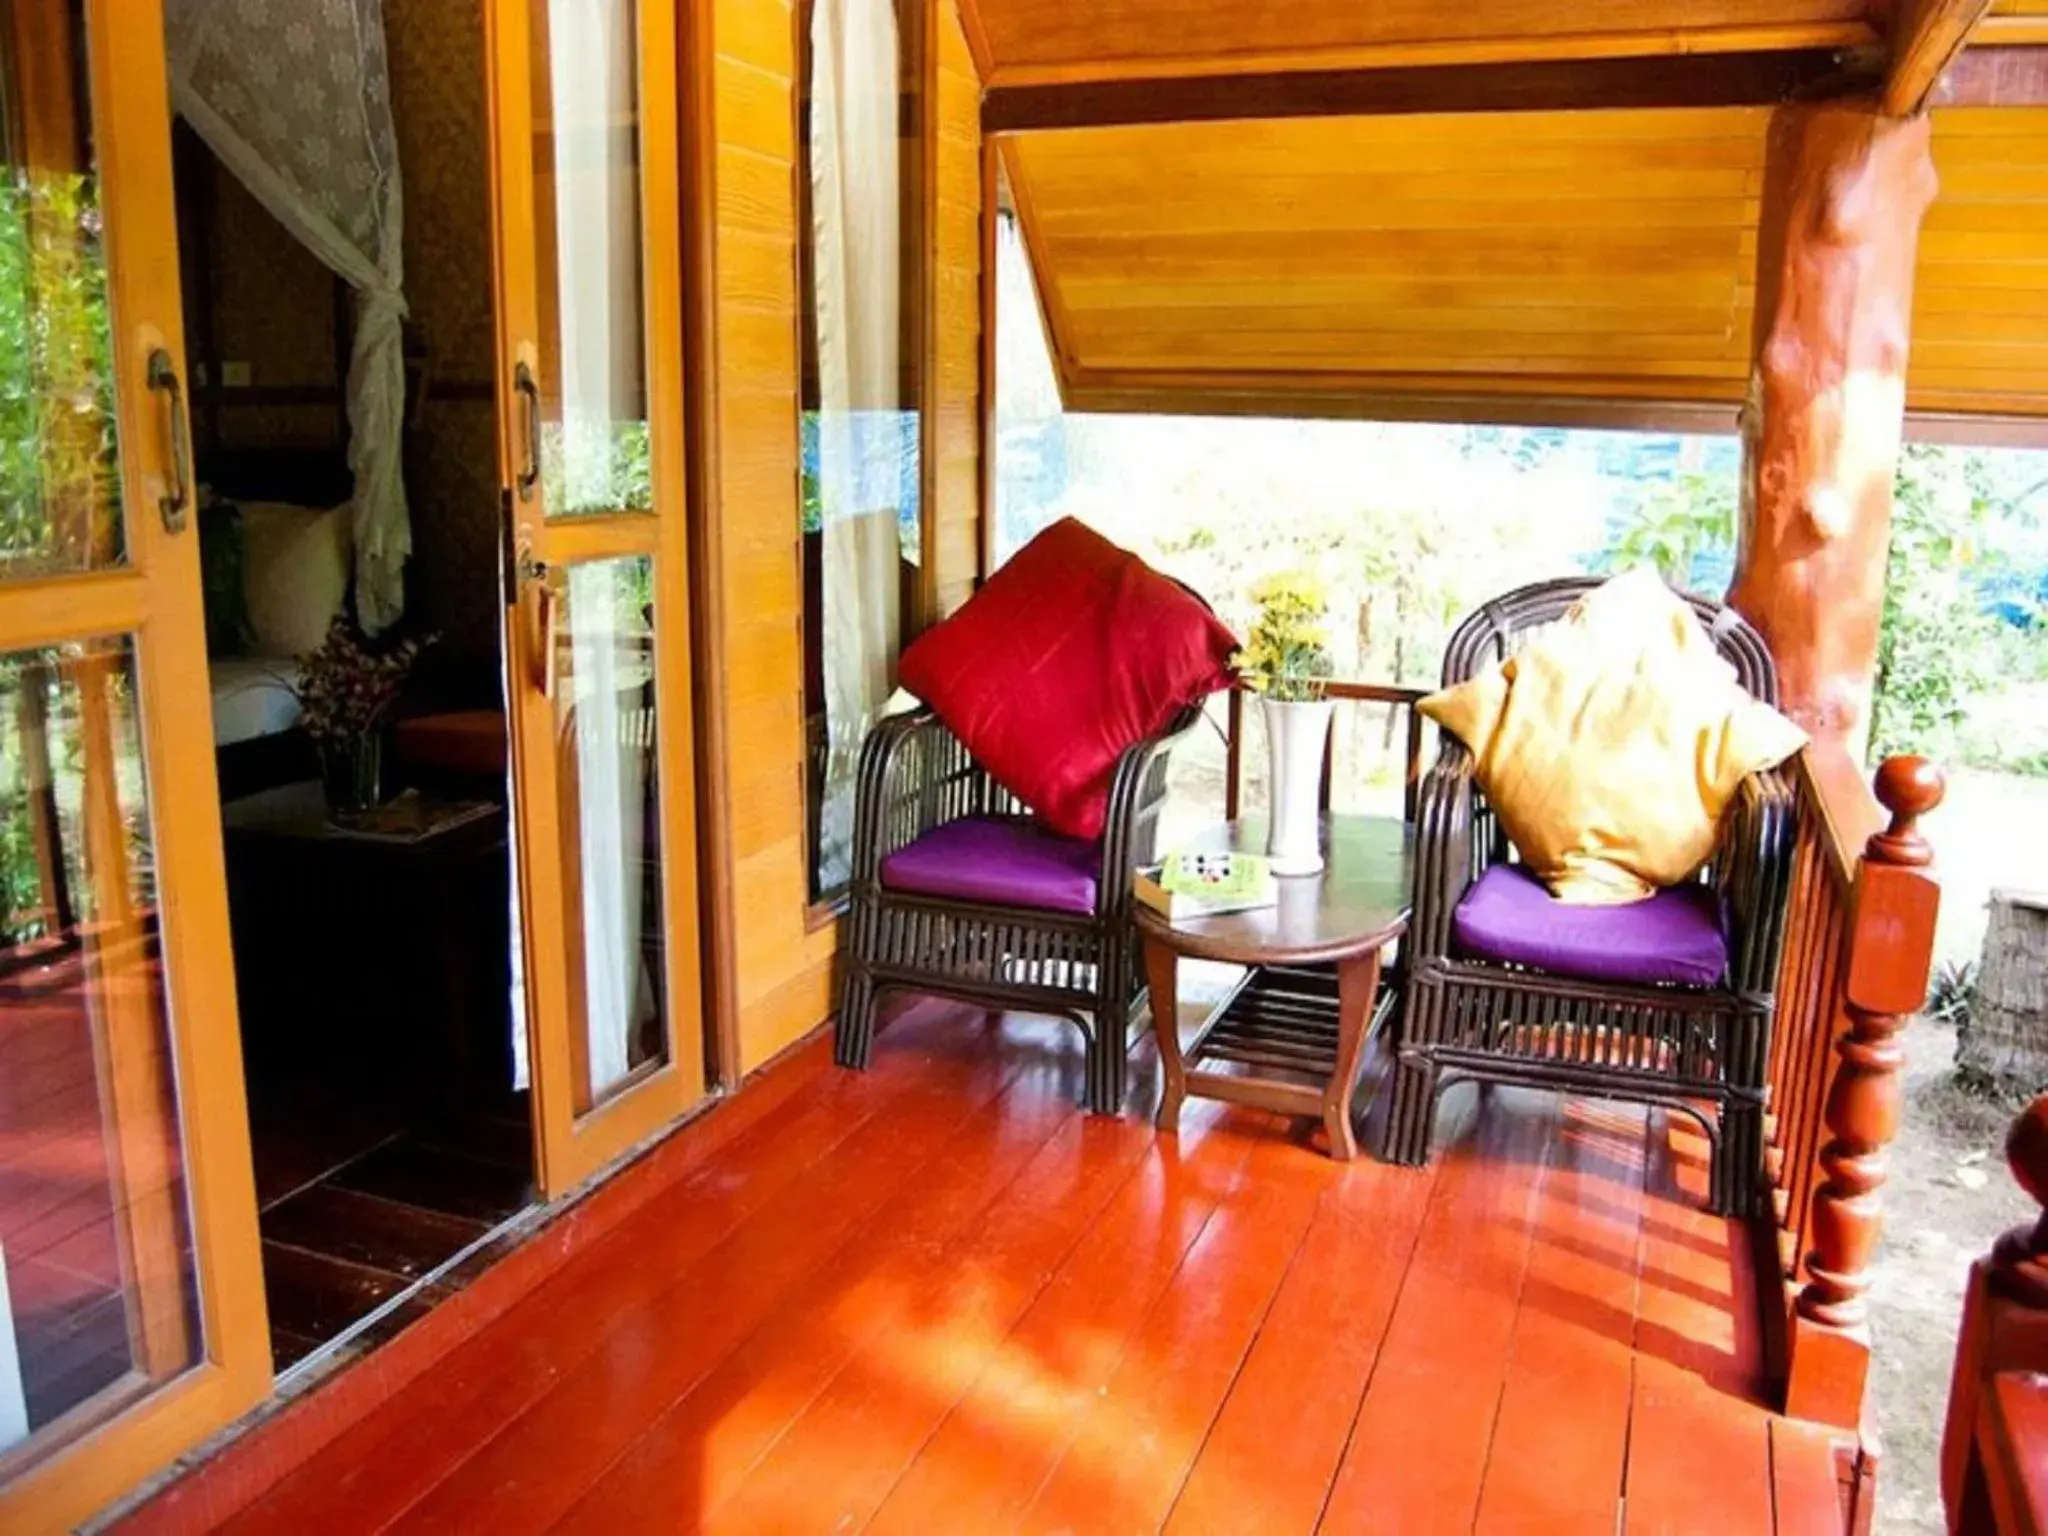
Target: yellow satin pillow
x=1613, y=741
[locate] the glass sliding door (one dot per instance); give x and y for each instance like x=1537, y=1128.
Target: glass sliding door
x=861, y=200
x=131, y=1304
x=585, y=204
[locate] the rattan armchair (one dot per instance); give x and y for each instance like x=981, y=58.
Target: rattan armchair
x=1076, y=961
x=1698, y=1050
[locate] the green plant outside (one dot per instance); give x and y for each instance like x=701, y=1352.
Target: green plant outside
x=59, y=507
x=1677, y=523
x=1943, y=655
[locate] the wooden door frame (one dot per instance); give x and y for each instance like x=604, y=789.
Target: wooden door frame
x=155, y=599
x=697, y=158
x=571, y=1147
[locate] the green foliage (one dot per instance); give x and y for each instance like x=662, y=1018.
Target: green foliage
x=1952, y=993
x=1676, y=522
x=1942, y=652
x=597, y=466
x=20, y=890
x=27, y=676
x=58, y=508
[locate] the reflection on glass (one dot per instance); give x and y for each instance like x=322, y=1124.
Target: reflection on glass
x=59, y=496
x=98, y=1295
x=611, y=818
x=862, y=355
x=586, y=170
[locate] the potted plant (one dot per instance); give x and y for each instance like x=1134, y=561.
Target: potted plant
x=345, y=690
x=1287, y=663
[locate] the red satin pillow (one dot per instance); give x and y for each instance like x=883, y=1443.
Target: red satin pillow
x=1068, y=655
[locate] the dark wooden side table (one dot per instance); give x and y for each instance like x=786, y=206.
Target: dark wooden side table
x=388, y=957
x=1291, y=1037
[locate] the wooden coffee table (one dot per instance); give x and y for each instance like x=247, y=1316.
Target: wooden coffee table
x=1291, y=1036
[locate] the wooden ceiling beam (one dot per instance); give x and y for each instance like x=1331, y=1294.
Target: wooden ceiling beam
x=1763, y=78
x=1436, y=52
x=1631, y=405
x=1926, y=37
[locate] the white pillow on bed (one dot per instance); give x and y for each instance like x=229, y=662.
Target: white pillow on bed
x=295, y=566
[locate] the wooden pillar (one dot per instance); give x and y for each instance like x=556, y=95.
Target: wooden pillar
x=1845, y=188
x=1891, y=949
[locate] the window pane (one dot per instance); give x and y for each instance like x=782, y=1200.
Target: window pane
x=586, y=170
x=862, y=364
x=98, y=1296
x=607, y=767
x=60, y=508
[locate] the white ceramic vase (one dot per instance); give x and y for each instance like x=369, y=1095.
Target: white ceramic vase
x=1295, y=734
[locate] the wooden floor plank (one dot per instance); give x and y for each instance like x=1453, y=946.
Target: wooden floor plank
x=838, y=1460
x=1021, y=1390
x=376, y=1469
x=1699, y=1451
x=881, y=1289
x=1563, y=1472
x=1418, y=1452
x=1311, y=1363
x=654, y=1353
x=934, y=1297
x=1132, y=1448
x=1806, y=1488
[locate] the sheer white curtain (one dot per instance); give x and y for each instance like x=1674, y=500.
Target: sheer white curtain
x=593, y=97
x=614, y=745
x=294, y=97
x=856, y=243
x=592, y=58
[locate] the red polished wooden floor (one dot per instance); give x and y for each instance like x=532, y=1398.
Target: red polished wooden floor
x=937, y=1298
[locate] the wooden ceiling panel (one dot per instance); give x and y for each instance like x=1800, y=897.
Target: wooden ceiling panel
x=1980, y=319
x=1547, y=254
x=1610, y=246
x=1038, y=41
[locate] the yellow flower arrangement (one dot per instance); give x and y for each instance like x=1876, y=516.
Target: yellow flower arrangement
x=1288, y=656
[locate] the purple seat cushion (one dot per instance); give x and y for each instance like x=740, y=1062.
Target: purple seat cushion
x=1672, y=938
x=1005, y=863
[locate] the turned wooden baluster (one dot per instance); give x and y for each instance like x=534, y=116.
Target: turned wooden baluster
x=1986, y=1478
x=1891, y=948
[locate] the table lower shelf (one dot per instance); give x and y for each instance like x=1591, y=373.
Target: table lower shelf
x=1289, y=1038
x=1279, y=1019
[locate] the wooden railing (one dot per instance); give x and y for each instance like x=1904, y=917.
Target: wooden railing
x=1859, y=944
x=1994, y=1447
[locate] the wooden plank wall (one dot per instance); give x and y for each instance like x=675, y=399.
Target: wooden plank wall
x=955, y=437
x=781, y=969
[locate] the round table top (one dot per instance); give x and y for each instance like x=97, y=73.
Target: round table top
x=1355, y=904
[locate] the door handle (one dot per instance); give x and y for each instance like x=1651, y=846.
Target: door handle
x=538, y=578
x=527, y=387
x=176, y=502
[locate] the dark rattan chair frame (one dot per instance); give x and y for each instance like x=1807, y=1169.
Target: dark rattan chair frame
x=915, y=775
x=1702, y=1052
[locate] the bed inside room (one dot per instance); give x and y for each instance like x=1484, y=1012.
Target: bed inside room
x=336, y=266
